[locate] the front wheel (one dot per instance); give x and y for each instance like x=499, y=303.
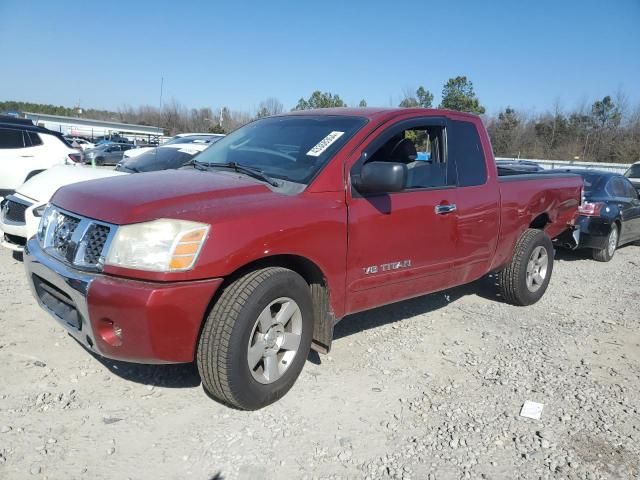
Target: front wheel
x=606, y=254
x=257, y=338
x=526, y=278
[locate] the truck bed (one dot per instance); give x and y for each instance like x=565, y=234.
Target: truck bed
x=551, y=200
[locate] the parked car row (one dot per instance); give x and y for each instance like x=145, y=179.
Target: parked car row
x=20, y=212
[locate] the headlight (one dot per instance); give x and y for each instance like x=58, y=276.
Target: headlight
x=163, y=245
x=49, y=215
x=38, y=211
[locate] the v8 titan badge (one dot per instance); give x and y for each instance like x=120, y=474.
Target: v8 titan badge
x=386, y=267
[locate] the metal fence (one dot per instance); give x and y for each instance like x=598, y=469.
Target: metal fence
x=549, y=164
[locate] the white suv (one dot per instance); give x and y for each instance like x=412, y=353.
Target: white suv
x=26, y=150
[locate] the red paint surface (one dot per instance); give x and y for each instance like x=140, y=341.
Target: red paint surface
x=160, y=322
x=324, y=224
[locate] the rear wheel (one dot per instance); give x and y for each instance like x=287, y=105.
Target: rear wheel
x=257, y=338
x=526, y=278
x=606, y=254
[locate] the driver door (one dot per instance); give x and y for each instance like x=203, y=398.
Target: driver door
x=402, y=244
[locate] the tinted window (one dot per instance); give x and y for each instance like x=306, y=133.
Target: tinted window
x=593, y=183
x=10, y=138
x=35, y=138
x=465, y=150
x=159, y=159
x=292, y=147
x=616, y=187
x=193, y=139
x=633, y=172
x=630, y=191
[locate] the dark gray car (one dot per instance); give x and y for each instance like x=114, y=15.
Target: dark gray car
x=109, y=154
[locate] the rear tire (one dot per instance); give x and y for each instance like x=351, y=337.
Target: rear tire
x=606, y=254
x=526, y=278
x=248, y=355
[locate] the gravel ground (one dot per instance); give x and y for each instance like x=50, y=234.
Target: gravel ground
x=425, y=389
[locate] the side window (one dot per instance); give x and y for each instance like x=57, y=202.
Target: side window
x=615, y=187
x=422, y=150
x=10, y=138
x=465, y=150
x=630, y=192
x=35, y=139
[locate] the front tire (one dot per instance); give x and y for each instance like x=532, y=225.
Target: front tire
x=257, y=338
x=526, y=278
x=606, y=254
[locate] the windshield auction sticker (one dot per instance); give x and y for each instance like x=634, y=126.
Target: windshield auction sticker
x=325, y=143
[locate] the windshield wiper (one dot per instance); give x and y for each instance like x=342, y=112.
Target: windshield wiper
x=196, y=165
x=238, y=167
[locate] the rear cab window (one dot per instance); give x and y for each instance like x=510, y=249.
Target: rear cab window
x=465, y=151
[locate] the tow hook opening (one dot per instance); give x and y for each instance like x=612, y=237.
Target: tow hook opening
x=110, y=332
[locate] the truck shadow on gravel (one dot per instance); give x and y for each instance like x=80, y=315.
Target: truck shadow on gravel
x=486, y=287
x=187, y=376
x=181, y=375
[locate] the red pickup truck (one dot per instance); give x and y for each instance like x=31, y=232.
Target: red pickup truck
x=247, y=258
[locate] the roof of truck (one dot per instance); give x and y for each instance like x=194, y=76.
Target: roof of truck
x=375, y=112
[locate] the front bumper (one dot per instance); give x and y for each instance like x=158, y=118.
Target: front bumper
x=122, y=319
x=14, y=235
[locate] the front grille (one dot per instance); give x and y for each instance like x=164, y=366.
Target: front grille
x=96, y=238
x=75, y=239
x=14, y=211
x=15, y=240
x=63, y=232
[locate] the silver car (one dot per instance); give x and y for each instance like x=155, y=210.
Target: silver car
x=108, y=154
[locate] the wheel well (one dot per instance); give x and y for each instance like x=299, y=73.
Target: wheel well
x=540, y=221
x=324, y=319
x=619, y=225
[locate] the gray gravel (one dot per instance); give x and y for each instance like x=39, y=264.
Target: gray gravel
x=425, y=389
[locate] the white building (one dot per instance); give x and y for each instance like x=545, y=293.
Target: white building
x=85, y=127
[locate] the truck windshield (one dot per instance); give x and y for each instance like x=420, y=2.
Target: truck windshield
x=292, y=147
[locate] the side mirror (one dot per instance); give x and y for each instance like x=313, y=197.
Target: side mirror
x=381, y=177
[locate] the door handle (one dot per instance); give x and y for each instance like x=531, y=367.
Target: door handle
x=444, y=209
x=26, y=156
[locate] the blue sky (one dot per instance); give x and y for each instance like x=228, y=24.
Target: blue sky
x=210, y=53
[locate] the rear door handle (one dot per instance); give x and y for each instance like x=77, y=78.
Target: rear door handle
x=444, y=209
x=26, y=156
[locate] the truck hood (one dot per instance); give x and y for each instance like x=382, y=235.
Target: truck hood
x=42, y=186
x=183, y=194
